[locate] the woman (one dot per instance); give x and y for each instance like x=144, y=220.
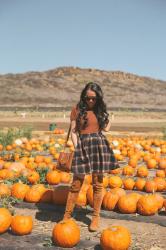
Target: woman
x=93, y=154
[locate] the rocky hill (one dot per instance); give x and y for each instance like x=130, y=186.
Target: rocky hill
x=61, y=87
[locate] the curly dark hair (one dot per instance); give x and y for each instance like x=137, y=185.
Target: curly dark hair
x=99, y=108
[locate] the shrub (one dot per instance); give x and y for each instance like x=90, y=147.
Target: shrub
x=8, y=137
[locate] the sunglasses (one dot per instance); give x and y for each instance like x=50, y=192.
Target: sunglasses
x=93, y=98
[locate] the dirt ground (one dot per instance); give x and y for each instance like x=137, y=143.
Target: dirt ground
x=145, y=236
x=132, y=122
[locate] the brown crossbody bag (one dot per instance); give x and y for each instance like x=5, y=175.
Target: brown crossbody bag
x=65, y=157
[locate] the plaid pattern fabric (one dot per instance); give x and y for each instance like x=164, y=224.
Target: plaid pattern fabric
x=93, y=155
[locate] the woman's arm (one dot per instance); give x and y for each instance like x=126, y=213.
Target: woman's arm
x=107, y=127
x=73, y=133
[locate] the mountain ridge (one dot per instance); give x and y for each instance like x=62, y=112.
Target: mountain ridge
x=61, y=87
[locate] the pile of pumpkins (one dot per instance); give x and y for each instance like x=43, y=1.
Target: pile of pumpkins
x=142, y=156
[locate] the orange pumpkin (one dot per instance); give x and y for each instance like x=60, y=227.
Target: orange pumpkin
x=33, y=177
x=147, y=205
x=163, y=150
x=81, y=200
x=6, y=165
x=142, y=171
x=160, y=200
x=65, y=177
x=5, y=220
x=124, y=152
x=105, y=181
x=47, y=160
x=4, y=190
x=133, y=162
x=109, y=201
x=19, y=190
x=66, y=233
x=39, y=187
x=164, y=204
x=11, y=174
x=130, y=153
x=115, y=238
x=128, y=183
x=31, y=159
x=147, y=157
x=151, y=163
x=9, y=147
x=3, y=174
x=39, y=158
x=140, y=184
x=21, y=224
x=128, y=170
x=119, y=191
x=127, y=204
x=150, y=186
x=161, y=183
x=115, y=181
x=157, y=157
x=160, y=173
x=137, y=196
x=31, y=165
x=115, y=171
x=53, y=177
x=119, y=157
x=33, y=195
x=162, y=164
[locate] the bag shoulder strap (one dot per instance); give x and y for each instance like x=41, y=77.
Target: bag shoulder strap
x=67, y=137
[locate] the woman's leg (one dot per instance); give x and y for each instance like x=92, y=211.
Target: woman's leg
x=97, y=201
x=73, y=195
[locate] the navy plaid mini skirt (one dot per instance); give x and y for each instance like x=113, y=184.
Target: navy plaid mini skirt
x=93, y=155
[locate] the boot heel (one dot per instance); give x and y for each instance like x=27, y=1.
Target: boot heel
x=94, y=226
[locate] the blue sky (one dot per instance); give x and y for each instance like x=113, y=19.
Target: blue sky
x=125, y=35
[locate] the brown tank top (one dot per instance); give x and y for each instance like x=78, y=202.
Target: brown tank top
x=92, y=122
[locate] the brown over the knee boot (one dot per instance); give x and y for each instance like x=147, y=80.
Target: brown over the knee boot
x=97, y=201
x=72, y=196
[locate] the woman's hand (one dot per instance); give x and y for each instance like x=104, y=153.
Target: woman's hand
x=107, y=127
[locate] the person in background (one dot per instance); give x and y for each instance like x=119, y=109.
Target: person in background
x=93, y=154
